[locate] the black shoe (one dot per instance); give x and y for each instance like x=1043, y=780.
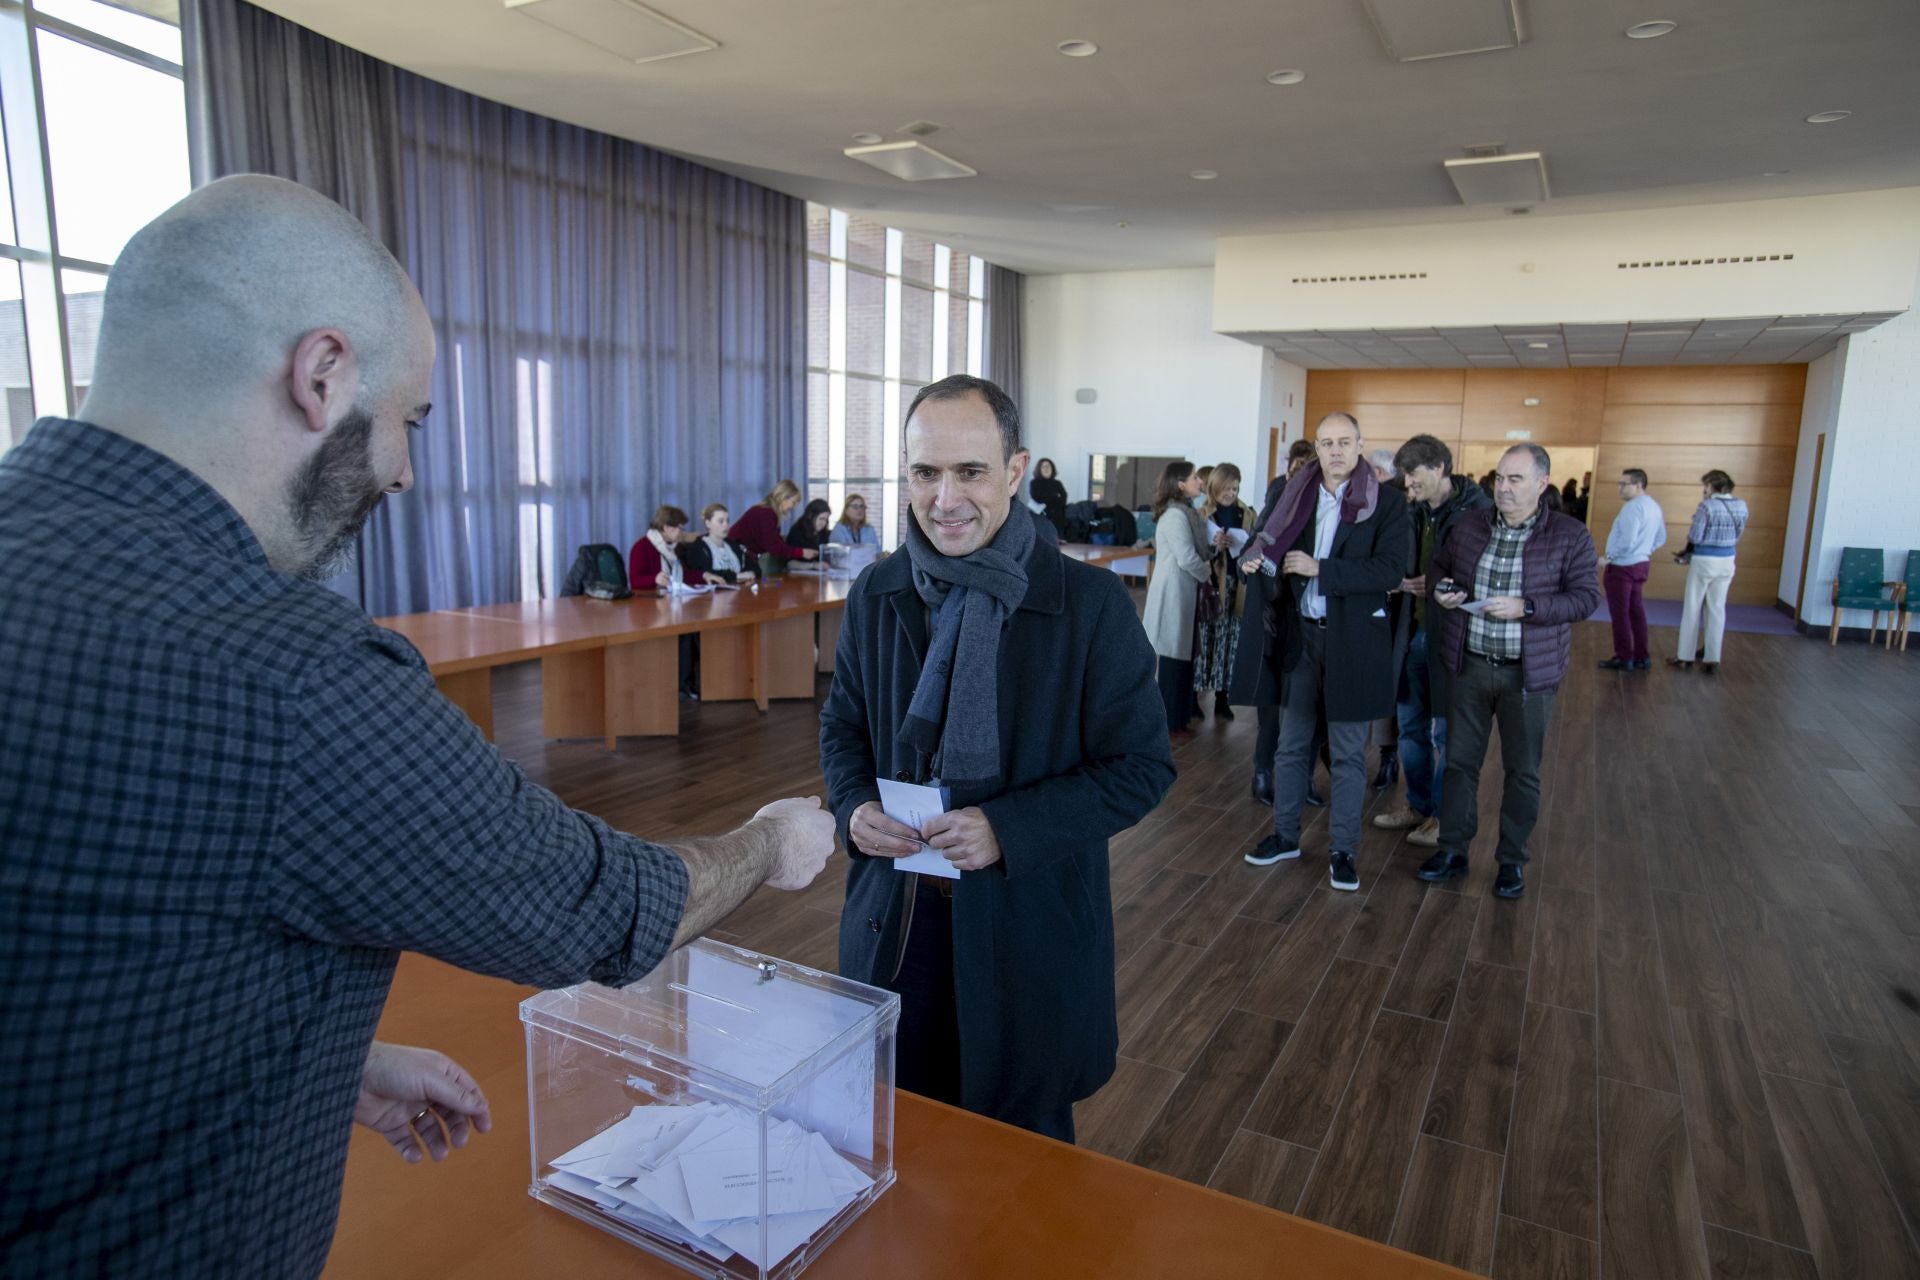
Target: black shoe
x=1221, y=709
x=1511, y=882
x=1263, y=788
x=1314, y=798
x=1389, y=771
x=1709, y=667
x=1270, y=850
x=1615, y=664
x=1640, y=664
x=1442, y=866
x=1683, y=664
x=1340, y=872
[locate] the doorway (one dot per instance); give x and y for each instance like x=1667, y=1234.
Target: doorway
x=1569, y=463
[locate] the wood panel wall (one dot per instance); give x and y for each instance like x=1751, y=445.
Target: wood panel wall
x=1673, y=423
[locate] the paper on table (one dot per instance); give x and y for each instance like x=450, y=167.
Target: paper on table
x=912, y=805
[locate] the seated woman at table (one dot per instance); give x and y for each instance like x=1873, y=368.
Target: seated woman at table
x=810, y=530
x=654, y=561
x=758, y=529
x=714, y=555
x=853, y=529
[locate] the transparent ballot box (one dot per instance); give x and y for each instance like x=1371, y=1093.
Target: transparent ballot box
x=731, y=1112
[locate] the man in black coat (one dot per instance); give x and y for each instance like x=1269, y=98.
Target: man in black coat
x=982, y=661
x=1440, y=498
x=1341, y=541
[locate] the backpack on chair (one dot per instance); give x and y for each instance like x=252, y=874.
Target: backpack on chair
x=598, y=571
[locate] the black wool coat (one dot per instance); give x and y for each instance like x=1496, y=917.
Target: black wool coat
x=1084, y=756
x=1368, y=560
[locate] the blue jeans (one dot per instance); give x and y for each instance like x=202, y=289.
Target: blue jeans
x=1423, y=735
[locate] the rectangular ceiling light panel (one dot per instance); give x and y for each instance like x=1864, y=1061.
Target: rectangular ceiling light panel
x=911, y=161
x=624, y=28
x=1415, y=30
x=1510, y=180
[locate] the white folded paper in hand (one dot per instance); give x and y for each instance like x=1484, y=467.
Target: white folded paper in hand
x=1236, y=538
x=1474, y=607
x=911, y=805
x=692, y=1174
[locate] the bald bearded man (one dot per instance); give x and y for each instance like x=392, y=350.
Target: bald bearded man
x=227, y=802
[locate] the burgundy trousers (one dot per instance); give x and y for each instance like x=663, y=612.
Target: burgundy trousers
x=1624, y=587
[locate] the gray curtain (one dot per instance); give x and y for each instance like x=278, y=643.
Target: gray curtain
x=1006, y=326
x=618, y=328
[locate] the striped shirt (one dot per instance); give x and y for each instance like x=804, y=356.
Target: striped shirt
x=1499, y=574
x=1718, y=522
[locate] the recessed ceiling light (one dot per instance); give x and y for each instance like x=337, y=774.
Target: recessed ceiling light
x=1827, y=117
x=1078, y=48
x=1650, y=30
x=1776, y=173
x=1540, y=346
x=1123, y=225
x=1203, y=175
x=1285, y=77
x=866, y=139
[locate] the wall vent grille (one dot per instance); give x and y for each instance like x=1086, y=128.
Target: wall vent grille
x=1385, y=275
x=1730, y=260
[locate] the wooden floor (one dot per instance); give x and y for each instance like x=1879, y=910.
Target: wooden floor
x=1693, y=1049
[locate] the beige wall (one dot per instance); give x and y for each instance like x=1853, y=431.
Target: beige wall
x=1674, y=423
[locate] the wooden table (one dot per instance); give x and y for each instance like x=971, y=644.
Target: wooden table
x=975, y=1198
x=611, y=667
x=1131, y=561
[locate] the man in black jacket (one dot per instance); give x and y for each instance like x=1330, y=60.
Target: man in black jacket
x=1341, y=540
x=1439, y=498
x=983, y=661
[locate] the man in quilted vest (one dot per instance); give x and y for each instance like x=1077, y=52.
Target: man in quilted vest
x=1513, y=582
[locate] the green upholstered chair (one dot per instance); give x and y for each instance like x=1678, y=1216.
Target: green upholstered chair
x=1861, y=584
x=1906, y=599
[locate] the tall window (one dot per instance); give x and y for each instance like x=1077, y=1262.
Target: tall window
x=93, y=119
x=888, y=311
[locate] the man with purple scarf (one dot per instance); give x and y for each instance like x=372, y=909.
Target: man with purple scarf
x=1340, y=549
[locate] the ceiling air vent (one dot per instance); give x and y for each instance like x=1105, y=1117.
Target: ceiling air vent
x=1485, y=150
x=1384, y=275
x=1730, y=260
x=625, y=28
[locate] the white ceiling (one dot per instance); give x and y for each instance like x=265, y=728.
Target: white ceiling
x=1066, y=148
x=1749, y=340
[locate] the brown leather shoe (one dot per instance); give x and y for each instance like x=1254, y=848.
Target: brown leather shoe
x=1401, y=819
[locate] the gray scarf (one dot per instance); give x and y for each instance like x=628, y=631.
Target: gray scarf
x=955, y=712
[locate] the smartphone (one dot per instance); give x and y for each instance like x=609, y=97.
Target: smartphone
x=1446, y=587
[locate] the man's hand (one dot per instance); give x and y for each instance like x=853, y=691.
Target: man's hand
x=1414, y=586
x=965, y=838
x=1301, y=563
x=1506, y=608
x=880, y=836
x=419, y=1100
x=1450, y=599
x=803, y=838
x=1252, y=565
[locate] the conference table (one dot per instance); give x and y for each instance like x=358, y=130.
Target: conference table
x=975, y=1198
x=610, y=668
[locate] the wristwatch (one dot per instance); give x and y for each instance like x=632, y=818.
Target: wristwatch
x=1529, y=612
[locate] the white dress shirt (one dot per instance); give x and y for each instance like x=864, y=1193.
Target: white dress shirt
x=1638, y=531
x=1326, y=523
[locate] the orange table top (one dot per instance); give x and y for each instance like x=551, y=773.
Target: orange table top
x=1089, y=553
x=974, y=1198
x=453, y=640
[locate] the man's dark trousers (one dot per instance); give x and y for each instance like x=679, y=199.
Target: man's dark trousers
x=1484, y=693
x=1629, y=611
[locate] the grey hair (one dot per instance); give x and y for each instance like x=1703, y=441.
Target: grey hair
x=1542, y=461
x=1383, y=459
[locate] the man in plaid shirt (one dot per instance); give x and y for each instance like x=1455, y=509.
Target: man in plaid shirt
x=229, y=802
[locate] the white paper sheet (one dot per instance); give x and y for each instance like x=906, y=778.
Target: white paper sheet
x=1236, y=538
x=704, y=1192
x=911, y=805
x=1474, y=607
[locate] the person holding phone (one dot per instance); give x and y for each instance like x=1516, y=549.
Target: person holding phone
x=1533, y=574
